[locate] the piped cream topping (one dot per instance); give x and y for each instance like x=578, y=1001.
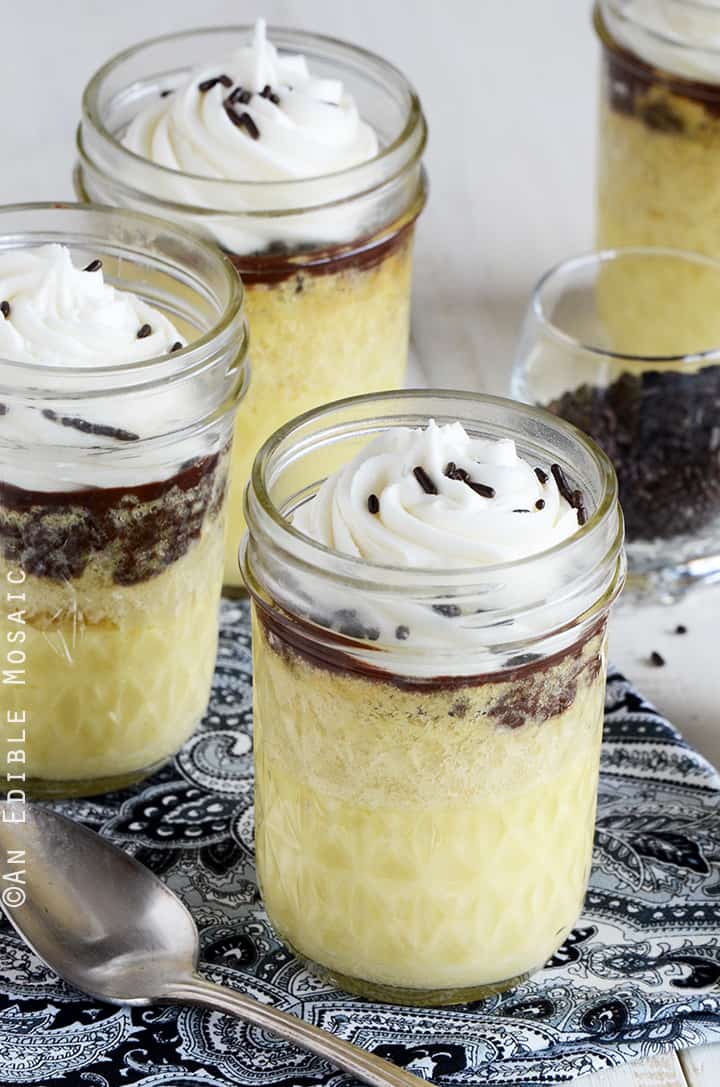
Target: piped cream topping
x=53, y=313
x=257, y=116
x=438, y=498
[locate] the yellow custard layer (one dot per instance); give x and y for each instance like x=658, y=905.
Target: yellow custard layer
x=660, y=188
x=406, y=838
x=116, y=678
x=314, y=339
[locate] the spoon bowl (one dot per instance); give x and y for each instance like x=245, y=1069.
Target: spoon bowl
x=107, y=925
x=98, y=917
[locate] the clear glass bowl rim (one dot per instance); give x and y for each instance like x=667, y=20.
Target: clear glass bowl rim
x=570, y=265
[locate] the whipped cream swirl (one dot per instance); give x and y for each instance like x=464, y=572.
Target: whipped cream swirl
x=437, y=498
x=55, y=314
x=258, y=116
x=59, y=315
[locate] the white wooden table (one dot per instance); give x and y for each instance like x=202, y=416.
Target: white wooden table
x=509, y=89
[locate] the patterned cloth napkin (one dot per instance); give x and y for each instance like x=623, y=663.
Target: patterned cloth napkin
x=639, y=974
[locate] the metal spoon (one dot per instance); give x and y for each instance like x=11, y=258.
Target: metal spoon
x=110, y=927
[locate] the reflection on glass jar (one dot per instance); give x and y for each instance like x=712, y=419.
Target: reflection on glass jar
x=625, y=344
x=659, y=132
x=402, y=847
x=113, y=488
x=325, y=251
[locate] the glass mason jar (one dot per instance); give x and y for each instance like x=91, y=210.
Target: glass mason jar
x=326, y=262
x=403, y=849
x=111, y=544
x=659, y=128
x=643, y=380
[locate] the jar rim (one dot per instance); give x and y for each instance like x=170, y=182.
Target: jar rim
x=196, y=355
x=612, y=17
x=285, y=37
x=314, y=555
x=571, y=265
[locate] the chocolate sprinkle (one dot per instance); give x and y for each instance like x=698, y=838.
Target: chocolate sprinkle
x=481, y=488
x=681, y=629
x=450, y=611
x=244, y=121
x=582, y=515
x=93, y=266
x=238, y=97
x=657, y=659
x=177, y=346
x=267, y=92
x=99, y=429
x=453, y=472
x=402, y=633
x=348, y=623
x=522, y=658
x=144, y=331
x=424, y=480
x=208, y=84
x=373, y=503
x=164, y=94
x=540, y=504
x=5, y=309
x=562, y=484
x=521, y=511
x=542, y=476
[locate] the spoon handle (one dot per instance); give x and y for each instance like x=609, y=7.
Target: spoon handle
x=367, y=1067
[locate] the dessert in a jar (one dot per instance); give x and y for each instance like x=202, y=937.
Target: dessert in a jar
x=659, y=126
x=301, y=156
x=429, y=671
x=642, y=377
x=122, y=362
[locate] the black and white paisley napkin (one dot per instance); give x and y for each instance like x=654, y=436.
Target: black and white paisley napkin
x=639, y=974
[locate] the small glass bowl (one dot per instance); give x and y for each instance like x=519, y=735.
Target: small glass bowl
x=625, y=344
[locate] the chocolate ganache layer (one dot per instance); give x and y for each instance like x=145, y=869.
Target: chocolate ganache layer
x=531, y=687
x=279, y=262
x=631, y=81
x=135, y=531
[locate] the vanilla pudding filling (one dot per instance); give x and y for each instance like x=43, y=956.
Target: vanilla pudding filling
x=115, y=429
x=429, y=642
x=301, y=156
